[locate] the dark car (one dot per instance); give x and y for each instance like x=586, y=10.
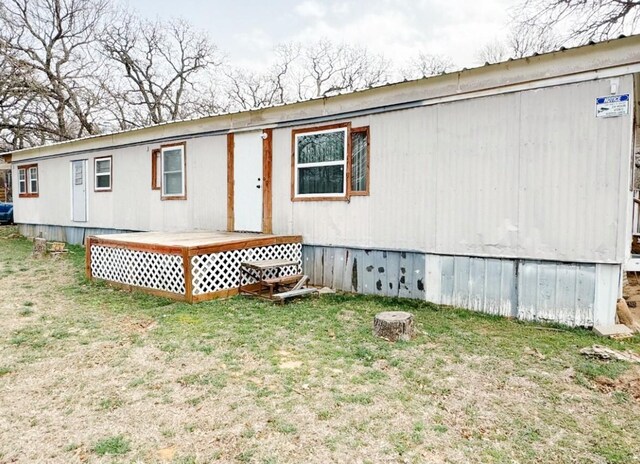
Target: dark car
x=6, y=213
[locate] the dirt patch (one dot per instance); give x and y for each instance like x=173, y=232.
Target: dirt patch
x=137, y=325
x=629, y=384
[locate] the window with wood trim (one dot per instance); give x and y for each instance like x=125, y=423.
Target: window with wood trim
x=321, y=162
x=173, y=159
x=330, y=162
x=103, y=174
x=359, y=161
x=156, y=174
x=28, y=181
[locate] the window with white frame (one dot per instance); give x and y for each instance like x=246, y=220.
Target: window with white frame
x=22, y=181
x=320, y=163
x=173, y=172
x=103, y=167
x=28, y=180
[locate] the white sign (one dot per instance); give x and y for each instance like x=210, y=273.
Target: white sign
x=612, y=106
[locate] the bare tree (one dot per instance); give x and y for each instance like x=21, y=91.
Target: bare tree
x=162, y=63
x=251, y=89
x=587, y=19
x=492, y=52
x=48, y=43
x=301, y=72
x=425, y=65
x=527, y=39
x=330, y=68
x=523, y=40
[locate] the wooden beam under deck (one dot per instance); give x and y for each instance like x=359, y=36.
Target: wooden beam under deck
x=150, y=291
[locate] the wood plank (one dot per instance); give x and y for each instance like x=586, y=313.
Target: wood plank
x=230, y=183
x=150, y=247
x=267, y=157
x=284, y=280
x=188, y=280
x=227, y=293
x=294, y=293
x=150, y=291
x=301, y=282
x=87, y=258
x=269, y=264
x=240, y=245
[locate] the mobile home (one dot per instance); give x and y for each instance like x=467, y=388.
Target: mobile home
x=507, y=188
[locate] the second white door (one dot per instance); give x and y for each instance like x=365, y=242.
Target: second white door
x=247, y=180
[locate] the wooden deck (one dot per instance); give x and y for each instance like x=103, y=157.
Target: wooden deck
x=188, y=266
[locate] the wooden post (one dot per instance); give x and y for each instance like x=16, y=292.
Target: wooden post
x=267, y=155
x=393, y=325
x=87, y=258
x=230, y=183
x=188, y=282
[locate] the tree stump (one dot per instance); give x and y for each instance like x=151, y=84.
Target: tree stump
x=393, y=325
x=39, y=247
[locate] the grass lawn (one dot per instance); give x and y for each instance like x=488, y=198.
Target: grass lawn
x=93, y=374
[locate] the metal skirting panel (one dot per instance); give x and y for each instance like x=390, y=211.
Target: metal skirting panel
x=480, y=284
x=72, y=235
x=557, y=292
x=370, y=272
x=574, y=294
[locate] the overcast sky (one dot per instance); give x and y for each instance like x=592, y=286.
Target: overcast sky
x=247, y=30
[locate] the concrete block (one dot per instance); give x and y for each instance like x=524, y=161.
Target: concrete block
x=612, y=330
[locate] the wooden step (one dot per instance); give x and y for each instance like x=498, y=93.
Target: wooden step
x=283, y=280
x=294, y=293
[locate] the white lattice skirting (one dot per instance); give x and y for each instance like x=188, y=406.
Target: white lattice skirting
x=138, y=268
x=221, y=271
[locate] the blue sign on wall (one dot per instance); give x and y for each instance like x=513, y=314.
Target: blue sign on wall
x=612, y=106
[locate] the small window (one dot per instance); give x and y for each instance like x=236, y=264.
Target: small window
x=33, y=180
x=360, y=161
x=22, y=181
x=173, y=172
x=103, y=168
x=28, y=181
x=321, y=163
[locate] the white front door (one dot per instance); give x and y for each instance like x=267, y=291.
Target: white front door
x=79, y=191
x=247, y=180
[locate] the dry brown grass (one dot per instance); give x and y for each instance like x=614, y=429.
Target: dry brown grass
x=86, y=371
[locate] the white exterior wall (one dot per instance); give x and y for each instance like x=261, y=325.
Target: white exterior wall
x=532, y=174
x=132, y=204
